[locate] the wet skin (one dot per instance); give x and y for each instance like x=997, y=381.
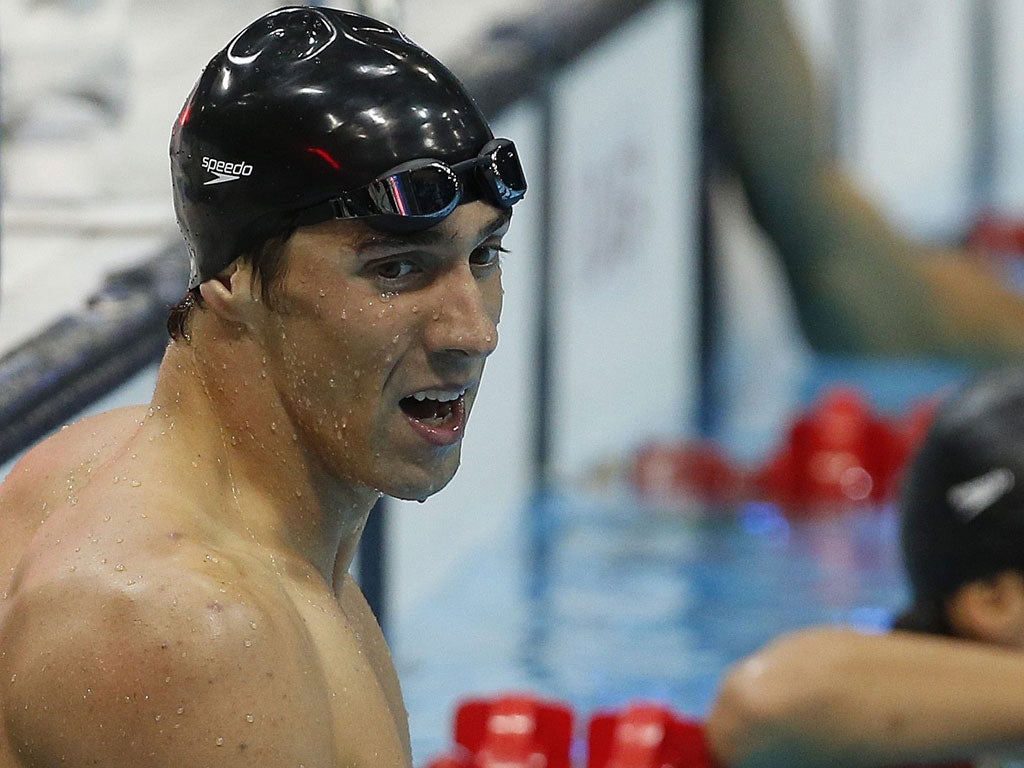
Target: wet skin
x=175, y=577
x=427, y=316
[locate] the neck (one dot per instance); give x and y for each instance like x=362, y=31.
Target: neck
x=235, y=434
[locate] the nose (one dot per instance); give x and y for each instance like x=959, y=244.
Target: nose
x=465, y=315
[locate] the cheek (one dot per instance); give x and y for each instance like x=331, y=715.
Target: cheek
x=495, y=298
x=337, y=357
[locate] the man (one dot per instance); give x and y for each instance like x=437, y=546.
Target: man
x=176, y=588
x=828, y=696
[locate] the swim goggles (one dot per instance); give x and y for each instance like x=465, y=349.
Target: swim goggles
x=421, y=193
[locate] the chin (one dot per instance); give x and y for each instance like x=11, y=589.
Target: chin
x=426, y=483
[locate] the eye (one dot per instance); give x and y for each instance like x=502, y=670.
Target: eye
x=395, y=269
x=486, y=255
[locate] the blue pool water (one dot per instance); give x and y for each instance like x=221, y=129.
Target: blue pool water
x=600, y=602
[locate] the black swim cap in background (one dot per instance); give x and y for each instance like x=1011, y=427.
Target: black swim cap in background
x=962, y=503
x=303, y=104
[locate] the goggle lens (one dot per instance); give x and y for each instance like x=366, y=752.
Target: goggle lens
x=429, y=190
x=420, y=193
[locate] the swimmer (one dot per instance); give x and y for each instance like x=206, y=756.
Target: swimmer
x=947, y=683
x=175, y=577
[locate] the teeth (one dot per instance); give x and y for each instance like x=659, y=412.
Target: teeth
x=441, y=395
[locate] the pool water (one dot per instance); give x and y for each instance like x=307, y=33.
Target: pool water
x=603, y=601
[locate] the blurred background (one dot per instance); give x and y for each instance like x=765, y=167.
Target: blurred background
x=740, y=216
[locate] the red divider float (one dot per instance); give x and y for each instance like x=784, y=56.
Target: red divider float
x=515, y=730
x=519, y=730
x=646, y=736
x=838, y=454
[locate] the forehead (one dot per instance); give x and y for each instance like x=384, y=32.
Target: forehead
x=467, y=226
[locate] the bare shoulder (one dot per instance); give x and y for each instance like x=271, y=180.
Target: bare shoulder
x=77, y=443
x=47, y=475
x=183, y=667
x=41, y=477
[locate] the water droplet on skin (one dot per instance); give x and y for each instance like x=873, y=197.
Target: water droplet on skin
x=134, y=483
x=252, y=624
x=321, y=293
x=250, y=719
x=158, y=717
x=119, y=567
x=220, y=741
x=181, y=710
x=344, y=314
x=119, y=540
x=332, y=383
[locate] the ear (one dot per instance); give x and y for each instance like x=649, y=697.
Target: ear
x=229, y=295
x=990, y=610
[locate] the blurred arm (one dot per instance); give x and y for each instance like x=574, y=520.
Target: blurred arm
x=832, y=697
x=860, y=286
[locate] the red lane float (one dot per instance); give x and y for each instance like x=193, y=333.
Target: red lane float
x=510, y=731
x=519, y=730
x=838, y=454
x=646, y=736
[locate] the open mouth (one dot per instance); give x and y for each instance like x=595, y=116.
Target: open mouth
x=432, y=406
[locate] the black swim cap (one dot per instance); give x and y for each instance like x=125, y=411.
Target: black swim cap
x=962, y=503
x=304, y=104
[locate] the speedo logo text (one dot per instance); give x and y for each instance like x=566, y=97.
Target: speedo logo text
x=224, y=170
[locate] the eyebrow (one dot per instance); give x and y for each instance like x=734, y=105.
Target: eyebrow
x=374, y=241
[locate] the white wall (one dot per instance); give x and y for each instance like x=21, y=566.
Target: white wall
x=624, y=262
